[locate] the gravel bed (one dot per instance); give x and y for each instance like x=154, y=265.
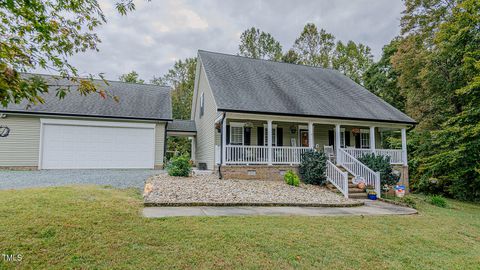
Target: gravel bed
x=208, y=189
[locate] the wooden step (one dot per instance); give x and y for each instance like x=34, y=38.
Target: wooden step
x=362, y=195
x=355, y=190
x=351, y=185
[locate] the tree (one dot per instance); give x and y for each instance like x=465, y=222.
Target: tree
x=352, y=60
x=131, y=77
x=259, y=45
x=381, y=78
x=182, y=80
x=314, y=47
x=44, y=34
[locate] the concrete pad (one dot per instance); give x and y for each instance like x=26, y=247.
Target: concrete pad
x=371, y=208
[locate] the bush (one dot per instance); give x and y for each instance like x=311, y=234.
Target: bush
x=312, y=167
x=179, y=166
x=291, y=178
x=409, y=201
x=379, y=163
x=438, y=201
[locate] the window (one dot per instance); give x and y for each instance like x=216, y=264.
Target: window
x=342, y=137
x=202, y=104
x=364, y=138
x=274, y=135
x=236, y=133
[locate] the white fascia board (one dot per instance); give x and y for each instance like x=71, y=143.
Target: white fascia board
x=47, y=121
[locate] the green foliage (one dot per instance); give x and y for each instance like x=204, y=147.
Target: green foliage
x=409, y=201
x=43, y=34
x=315, y=48
x=379, y=163
x=179, y=166
x=178, y=146
x=131, y=77
x=291, y=178
x=352, y=59
x=437, y=201
x=381, y=78
x=259, y=45
x=312, y=167
x=182, y=79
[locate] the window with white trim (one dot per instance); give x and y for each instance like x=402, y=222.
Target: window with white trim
x=236, y=133
x=342, y=137
x=364, y=138
x=202, y=104
x=274, y=135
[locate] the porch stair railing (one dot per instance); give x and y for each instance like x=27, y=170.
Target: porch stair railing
x=396, y=156
x=359, y=170
x=337, y=177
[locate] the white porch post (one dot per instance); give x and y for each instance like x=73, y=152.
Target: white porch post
x=311, y=143
x=269, y=141
x=337, y=142
x=194, y=148
x=404, y=147
x=224, y=140
x=372, y=139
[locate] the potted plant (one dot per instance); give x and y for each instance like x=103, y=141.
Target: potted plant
x=372, y=195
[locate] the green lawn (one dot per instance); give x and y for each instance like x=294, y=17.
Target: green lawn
x=93, y=227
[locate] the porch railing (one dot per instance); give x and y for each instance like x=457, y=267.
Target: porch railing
x=337, y=177
x=246, y=154
x=287, y=154
x=394, y=154
x=249, y=154
x=358, y=169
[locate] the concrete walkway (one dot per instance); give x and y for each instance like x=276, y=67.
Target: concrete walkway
x=371, y=208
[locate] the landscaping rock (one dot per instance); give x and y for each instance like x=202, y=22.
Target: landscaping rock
x=205, y=189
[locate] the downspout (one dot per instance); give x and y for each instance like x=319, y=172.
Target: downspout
x=220, y=176
x=165, y=146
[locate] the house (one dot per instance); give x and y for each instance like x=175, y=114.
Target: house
x=85, y=132
x=254, y=118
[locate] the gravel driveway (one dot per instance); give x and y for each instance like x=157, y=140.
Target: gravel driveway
x=45, y=178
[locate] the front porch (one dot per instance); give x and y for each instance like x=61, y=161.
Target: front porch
x=255, y=142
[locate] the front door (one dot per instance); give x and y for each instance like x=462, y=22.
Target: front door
x=304, y=138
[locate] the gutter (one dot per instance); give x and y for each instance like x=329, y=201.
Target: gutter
x=220, y=176
x=165, y=146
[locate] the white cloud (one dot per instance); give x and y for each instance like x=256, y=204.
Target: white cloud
x=159, y=32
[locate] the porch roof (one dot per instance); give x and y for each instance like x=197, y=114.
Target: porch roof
x=241, y=84
x=182, y=126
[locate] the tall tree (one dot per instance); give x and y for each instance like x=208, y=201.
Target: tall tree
x=182, y=80
x=314, y=48
x=260, y=45
x=438, y=61
x=381, y=78
x=352, y=60
x=131, y=77
x=44, y=34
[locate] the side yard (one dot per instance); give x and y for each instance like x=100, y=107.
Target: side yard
x=95, y=227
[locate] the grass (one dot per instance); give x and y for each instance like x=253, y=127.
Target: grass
x=101, y=228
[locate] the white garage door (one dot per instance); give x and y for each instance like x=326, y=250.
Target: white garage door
x=95, y=145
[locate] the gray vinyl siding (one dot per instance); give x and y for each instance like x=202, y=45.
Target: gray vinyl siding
x=159, y=143
x=21, y=147
x=206, y=137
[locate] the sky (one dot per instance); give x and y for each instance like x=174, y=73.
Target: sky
x=150, y=39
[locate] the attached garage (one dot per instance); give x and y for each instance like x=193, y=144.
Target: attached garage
x=92, y=145
x=88, y=132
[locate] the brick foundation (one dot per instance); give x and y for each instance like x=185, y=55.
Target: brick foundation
x=256, y=172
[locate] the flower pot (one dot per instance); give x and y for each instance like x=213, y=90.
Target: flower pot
x=361, y=185
x=372, y=196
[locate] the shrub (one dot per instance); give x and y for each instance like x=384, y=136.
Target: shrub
x=291, y=178
x=179, y=166
x=409, y=201
x=312, y=167
x=379, y=163
x=438, y=201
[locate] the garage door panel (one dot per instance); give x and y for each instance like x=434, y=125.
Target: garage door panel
x=77, y=147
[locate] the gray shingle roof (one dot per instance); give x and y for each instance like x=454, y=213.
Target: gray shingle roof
x=137, y=101
x=251, y=85
x=182, y=126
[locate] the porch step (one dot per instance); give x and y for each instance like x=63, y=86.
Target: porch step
x=362, y=195
x=355, y=190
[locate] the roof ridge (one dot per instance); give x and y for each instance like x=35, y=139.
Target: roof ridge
x=267, y=60
x=115, y=81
